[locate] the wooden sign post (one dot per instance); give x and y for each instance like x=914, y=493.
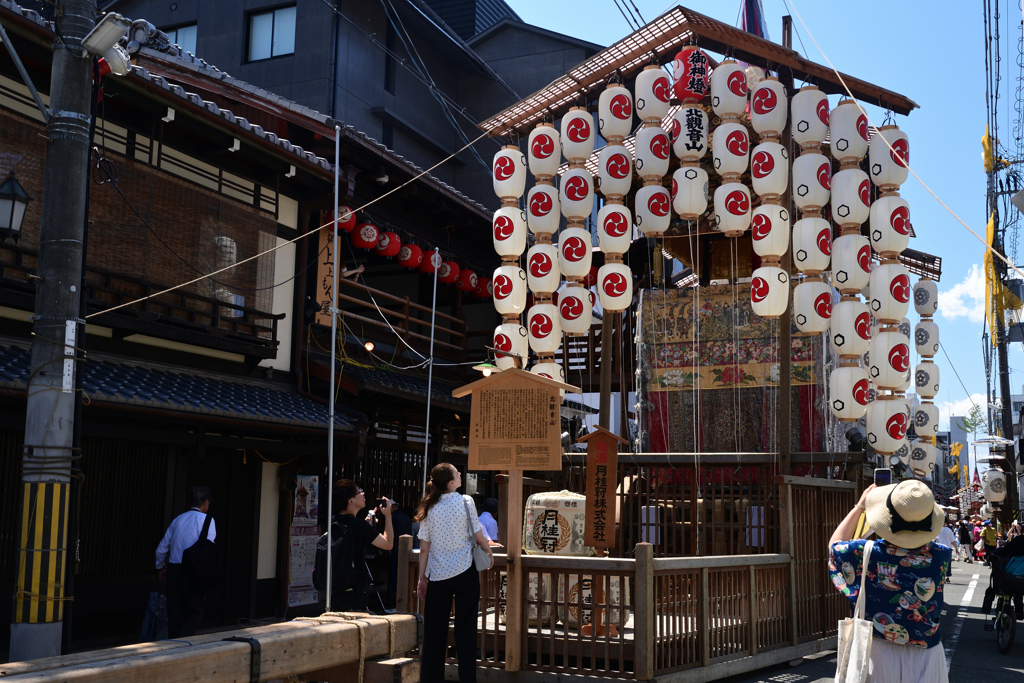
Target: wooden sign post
x=515, y=425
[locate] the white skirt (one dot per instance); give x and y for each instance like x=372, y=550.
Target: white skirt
x=892, y=663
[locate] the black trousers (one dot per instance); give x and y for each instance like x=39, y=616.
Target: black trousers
x=184, y=608
x=465, y=589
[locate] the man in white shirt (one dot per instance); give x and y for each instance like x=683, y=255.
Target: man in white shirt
x=185, y=607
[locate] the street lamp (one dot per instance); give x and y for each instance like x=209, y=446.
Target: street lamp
x=13, y=202
x=487, y=367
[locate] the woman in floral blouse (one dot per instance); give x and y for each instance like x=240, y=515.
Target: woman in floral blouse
x=906, y=573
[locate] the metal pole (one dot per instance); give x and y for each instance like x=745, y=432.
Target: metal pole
x=430, y=370
x=785, y=411
x=331, y=388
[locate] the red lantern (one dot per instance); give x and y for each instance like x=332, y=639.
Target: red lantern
x=483, y=288
x=410, y=256
x=591, y=279
x=431, y=262
x=365, y=236
x=388, y=244
x=466, y=282
x=448, y=273
x=690, y=73
x=347, y=220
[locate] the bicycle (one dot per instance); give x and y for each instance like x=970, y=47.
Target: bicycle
x=1004, y=621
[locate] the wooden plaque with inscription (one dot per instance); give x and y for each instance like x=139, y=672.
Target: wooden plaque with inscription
x=602, y=480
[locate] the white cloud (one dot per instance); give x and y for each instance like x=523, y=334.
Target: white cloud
x=966, y=299
x=960, y=408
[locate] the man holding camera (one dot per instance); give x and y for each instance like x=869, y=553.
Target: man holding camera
x=351, y=582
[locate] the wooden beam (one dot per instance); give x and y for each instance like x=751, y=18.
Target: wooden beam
x=514, y=621
x=784, y=415
x=644, y=631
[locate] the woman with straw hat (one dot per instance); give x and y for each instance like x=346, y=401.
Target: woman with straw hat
x=906, y=573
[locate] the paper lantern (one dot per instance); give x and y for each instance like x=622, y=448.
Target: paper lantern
x=926, y=297
x=574, y=310
x=388, y=244
x=550, y=370
x=653, y=150
x=509, y=231
x=653, y=210
x=890, y=225
x=509, y=287
x=544, y=328
x=509, y=172
x=591, y=279
x=544, y=145
x=652, y=94
x=690, y=129
x=926, y=379
x=577, y=136
x=889, y=359
x=887, y=423
x=510, y=338
x=851, y=197
x=810, y=117
x=690, y=71
x=926, y=419
x=615, y=171
x=730, y=149
x=993, y=486
x=769, y=231
x=769, y=169
x=575, y=252
x=812, y=245
x=732, y=209
x=768, y=107
x=922, y=459
x=615, y=286
x=448, y=273
x=690, y=192
x=926, y=338
x=365, y=236
x=346, y=220
x=851, y=327
x=430, y=263
x=614, y=228
x=542, y=273
x=410, y=256
x=467, y=281
x=483, y=288
x=848, y=132
x=812, y=306
x=812, y=181
x=769, y=292
x=890, y=292
x=888, y=167
x=576, y=196
x=543, y=210
x=851, y=263
x=848, y=393
x=615, y=112
x=728, y=89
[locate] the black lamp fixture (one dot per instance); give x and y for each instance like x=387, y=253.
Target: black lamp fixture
x=13, y=202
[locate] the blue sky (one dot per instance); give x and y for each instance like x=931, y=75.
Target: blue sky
x=932, y=53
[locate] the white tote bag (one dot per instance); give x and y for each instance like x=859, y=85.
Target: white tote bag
x=855, y=635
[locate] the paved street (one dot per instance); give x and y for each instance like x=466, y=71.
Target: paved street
x=971, y=652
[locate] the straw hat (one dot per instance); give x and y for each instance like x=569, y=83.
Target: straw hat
x=904, y=514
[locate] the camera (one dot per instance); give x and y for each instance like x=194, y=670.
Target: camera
x=381, y=504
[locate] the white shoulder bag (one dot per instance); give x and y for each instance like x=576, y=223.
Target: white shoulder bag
x=481, y=560
x=855, y=635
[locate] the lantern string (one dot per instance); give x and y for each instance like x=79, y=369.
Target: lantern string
x=894, y=152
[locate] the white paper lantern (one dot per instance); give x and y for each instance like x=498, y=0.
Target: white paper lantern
x=509, y=288
x=509, y=230
x=690, y=192
x=810, y=116
x=615, y=112
x=848, y=132
x=768, y=107
x=542, y=273
x=888, y=167
x=851, y=327
x=851, y=197
x=890, y=225
x=890, y=292
x=615, y=286
x=614, y=228
x=926, y=419
x=690, y=129
x=512, y=338
x=922, y=459
x=812, y=306
x=615, y=171
x=889, y=359
x=544, y=147
x=887, y=424
x=769, y=292
x=926, y=297
x=994, y=486
x=812, y=245
x=730, y=149
x=653, y=151
x=729, y=89
x=904, y=327
x=653, y=210
x=926, y=379
x=550, y=370
x=851, y=263
x=769, y=231
x=769, y=169
x=575, y=252
x=812, y=181
x=543, y=209
x=577, y=134
x=509, y=173
x=544, y=327
x=576, y=196
x=652, y=94
x=848, y=393
x=926, y=338
x=732, y=208
x=575, y=310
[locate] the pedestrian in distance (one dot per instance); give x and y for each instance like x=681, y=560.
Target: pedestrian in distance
x=988, y=536
x=447, y=571
x=489, y=521
x=906, y=572
x=186, y=603
x=966, y=549
x=350, y=584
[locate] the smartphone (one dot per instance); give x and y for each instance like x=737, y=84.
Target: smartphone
x=883, y=476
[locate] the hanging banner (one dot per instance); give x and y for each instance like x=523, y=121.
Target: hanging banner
x=325, y=273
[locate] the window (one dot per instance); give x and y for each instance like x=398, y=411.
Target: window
x=272, y=34
x=184, y=37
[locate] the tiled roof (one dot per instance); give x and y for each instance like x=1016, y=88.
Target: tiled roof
x=405, y=383
x=112, y=382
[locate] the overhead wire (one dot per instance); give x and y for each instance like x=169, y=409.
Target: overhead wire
x=625, y=15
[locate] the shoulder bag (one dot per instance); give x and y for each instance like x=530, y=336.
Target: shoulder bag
x=481, y=560
x=855, y=635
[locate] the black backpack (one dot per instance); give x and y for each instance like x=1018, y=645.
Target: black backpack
x=201, y=562
x=343, y=560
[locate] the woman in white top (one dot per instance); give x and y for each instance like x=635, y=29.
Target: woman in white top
x=447, y=572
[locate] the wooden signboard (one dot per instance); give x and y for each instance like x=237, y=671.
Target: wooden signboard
x=325, y=273
x=602, y=468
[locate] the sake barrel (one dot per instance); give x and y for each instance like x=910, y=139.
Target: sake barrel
x=532, y=592
x=580, y=597
x=554, y=524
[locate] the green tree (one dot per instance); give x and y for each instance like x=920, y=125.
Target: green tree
x=974, y=421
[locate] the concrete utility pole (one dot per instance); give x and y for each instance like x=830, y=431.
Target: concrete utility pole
x=49, y=421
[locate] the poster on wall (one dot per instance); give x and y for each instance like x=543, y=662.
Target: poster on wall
x=306, y=507
x=304, y=533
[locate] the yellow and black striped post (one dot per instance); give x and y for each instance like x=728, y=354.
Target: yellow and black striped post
x=42, y=553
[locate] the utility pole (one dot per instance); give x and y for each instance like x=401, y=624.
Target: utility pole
x=49, y=453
